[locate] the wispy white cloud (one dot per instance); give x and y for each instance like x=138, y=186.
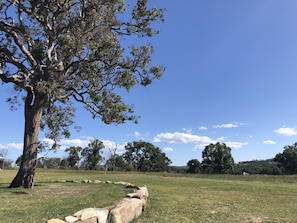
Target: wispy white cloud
x=189, y=131
x=179, y=137
x=202, y=128
x=167, y=149
x=84, y=141
x=269, y=142
x=141, y=136
x=286, y=131
x=235, y=145
x=11, y=146
x=15, y=145
x=114, y=146
x=110, y=144
x=219, y=139
x=228, y=126
x=200, y=141
x=137, y=135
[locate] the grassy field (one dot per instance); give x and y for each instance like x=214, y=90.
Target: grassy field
x=174, y=198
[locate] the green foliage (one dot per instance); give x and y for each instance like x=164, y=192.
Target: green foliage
x=116, y=162
x=92, y=154
x=57, y=53
x=7, y=164
x=49, y=162
x=73, y=158
x=4, y=161
x=145, y=157
x=217, y=159
x=73, y=51
x=194, y=166
x=64, y=164
x=258, y=167
x=18, y=160
x=287, y=160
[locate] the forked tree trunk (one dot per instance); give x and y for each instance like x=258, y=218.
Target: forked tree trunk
x=33, y=114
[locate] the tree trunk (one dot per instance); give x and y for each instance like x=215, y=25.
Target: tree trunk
x=33, y=114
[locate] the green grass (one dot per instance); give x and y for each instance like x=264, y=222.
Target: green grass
x=174, y=198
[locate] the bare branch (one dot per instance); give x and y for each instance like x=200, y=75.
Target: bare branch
x=19, y=43
x=15, y=61
x=16, y=79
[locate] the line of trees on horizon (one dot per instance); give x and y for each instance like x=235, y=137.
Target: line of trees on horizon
x=138, y=156
x=145, y=157
x=217, y=159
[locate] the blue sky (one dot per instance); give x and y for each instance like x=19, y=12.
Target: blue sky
x=230, y=77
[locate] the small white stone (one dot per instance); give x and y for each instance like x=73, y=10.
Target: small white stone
x=71, y=219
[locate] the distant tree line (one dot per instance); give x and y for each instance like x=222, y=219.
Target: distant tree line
x=145, y=157
x=138, y=156
x=269, y=167
x=217, y=159
x=4, y=162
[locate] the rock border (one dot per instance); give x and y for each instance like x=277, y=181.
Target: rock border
x=122, y=211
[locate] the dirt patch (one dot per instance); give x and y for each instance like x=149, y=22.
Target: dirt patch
x=65, y=191
x=58, y=190
x=54, y=186
x=258, y=219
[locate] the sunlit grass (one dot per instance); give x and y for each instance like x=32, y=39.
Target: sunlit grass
x=51, y=199
x=172, y=197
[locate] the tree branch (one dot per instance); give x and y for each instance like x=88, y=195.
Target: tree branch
x=19, y=43
x=16, y=79
x=15, y=61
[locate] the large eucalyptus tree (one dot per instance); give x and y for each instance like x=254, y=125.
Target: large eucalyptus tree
x=217, y=159
x=59, y=52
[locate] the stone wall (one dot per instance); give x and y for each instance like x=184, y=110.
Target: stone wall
x=122, y=211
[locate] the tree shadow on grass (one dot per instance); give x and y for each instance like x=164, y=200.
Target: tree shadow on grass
x=19, y=192
x=16, y=191
x=6, y=189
